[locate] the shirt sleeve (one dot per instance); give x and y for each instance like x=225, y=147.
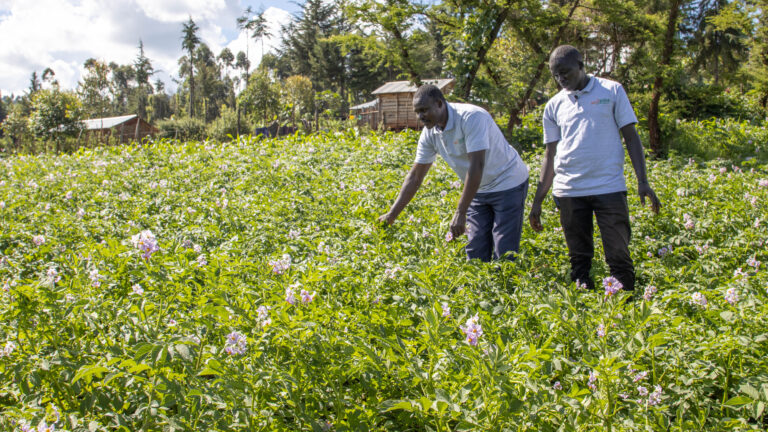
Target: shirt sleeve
x=475, y=130
x=549, y=124
x=425, y=151
x=622, y=109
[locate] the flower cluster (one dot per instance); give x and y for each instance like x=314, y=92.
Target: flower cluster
x=612, y=286
x=95, y=278
x=446, y=310
x=306, y=297
x=601, y=330
x=236, y=344
x=281, y=265
x=655, y=397
x=290, y=295
x=650, y=290
x=38, y=240
x=699, y=299
x=391, y=272
x=448, y=236
x=53, y=275
x=557, y=385
x=473, y=330
x=146, y=242
x=262, y=312
x=763, y=183
x=137, y=289
x=201, y=260
x=752, y=262
x=8, y=349
x=592, y=384
x=688, y=222
x=732, y=296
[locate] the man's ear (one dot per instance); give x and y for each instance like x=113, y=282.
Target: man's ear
x=581, y=65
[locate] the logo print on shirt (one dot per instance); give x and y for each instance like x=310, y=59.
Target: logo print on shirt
x=600, y=102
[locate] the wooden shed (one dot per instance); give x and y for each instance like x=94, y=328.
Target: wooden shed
x=124, y=128
x=393, y=107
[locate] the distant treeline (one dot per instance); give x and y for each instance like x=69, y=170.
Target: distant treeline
x=677, y=59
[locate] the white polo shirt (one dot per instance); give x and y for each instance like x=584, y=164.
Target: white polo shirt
x=586, y=123
x=469, y=129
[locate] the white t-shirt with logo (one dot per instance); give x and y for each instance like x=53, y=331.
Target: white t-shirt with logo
x=469, y=129
x=586, y=123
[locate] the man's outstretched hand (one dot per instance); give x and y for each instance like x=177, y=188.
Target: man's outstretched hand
x=644, y=190
x=387, y=219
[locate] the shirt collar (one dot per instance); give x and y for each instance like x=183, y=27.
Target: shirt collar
x=451, y=123
x=585, y=90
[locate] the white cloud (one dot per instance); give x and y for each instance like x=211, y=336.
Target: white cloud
x=62, y=34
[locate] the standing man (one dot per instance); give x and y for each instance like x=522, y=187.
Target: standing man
x=495, y=177
x=583, y=126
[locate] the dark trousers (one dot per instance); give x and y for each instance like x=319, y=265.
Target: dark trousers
x=612, y=214
x=495, y=222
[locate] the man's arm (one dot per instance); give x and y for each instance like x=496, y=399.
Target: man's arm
x=411, y=184
x=545, y=182
x=635, y=150
x=471, y=184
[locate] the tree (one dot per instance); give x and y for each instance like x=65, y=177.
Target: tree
x=256, y=28
x=143, y=71
x=385, y=26
x=298, y=96
x=189, y=42
x=93, y=90
x=262, y=97
x=55, y=114
x=664, y=60
x=476, y=25
x=34, y=84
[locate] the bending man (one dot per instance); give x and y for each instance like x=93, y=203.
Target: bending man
x=495, y=177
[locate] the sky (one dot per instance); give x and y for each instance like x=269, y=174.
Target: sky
x=63, y=34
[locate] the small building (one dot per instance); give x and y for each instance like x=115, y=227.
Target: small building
x=393, y=107
x=122, y=128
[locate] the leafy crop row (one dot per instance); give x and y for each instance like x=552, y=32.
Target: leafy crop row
x=245, y=286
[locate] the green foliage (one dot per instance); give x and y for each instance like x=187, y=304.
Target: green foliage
x=55, y=113
x=116, y=341
x=225, y=127
x=183, y=128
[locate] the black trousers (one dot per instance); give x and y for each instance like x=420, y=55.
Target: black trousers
x=612, y=214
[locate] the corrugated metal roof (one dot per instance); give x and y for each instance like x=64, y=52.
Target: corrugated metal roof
x=107, y=122
x=407, y=87
x=369, y=104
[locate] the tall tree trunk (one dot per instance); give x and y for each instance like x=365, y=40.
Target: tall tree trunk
x=407, y=62
x=191, y=87
x=654, y=129
x=481, y=54
x=514, y=113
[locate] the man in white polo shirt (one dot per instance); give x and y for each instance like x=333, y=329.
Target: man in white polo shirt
x=495, y=177
x=583, y=127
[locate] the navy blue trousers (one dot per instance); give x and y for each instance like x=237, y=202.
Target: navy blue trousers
x=495, y=222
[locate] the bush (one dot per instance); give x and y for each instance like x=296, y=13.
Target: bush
x=184, y=128
x=225, y=126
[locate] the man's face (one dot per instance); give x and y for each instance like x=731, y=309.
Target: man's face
x=568, y=73
x=428, y=110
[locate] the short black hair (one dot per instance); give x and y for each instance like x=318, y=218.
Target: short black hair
x=431, y=91
x=565, y=53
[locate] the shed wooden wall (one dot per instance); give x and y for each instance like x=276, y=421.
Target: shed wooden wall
x=124, y=132
x=396, y=111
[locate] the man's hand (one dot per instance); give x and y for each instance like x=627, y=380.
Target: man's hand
x=458, y=224
x=534, y=217
x=387, y=218
x=644, y=190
